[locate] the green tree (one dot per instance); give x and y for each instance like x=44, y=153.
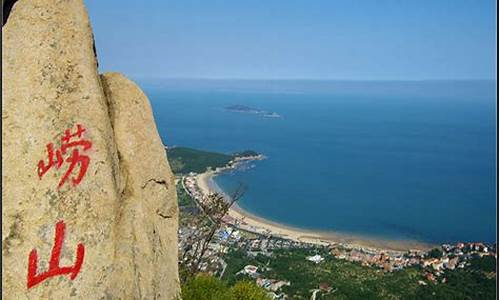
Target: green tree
x=205, y=287
x=246, y=290
x=485, y=263
x=435, y=253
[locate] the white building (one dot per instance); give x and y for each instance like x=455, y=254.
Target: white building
x=315, y=259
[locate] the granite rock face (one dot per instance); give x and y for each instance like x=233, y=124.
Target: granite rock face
x=89, y=204
x=148, y=216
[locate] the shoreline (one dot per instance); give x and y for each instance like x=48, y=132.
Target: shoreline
x=247, y=221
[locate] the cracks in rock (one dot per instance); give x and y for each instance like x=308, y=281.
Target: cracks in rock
x=163, y=215
x=14, y=233
x=161, y=181
x=95, y=51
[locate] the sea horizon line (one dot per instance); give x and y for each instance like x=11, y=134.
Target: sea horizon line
x=311, y=79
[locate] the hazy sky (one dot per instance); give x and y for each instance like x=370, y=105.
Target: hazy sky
x=312, y=39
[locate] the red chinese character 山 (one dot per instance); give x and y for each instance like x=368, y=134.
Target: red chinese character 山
x=54, y=263
x=56, y=158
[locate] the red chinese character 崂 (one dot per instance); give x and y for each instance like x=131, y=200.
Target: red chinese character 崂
x=55, y=158
x=54, y=267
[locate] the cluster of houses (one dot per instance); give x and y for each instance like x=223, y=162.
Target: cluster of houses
x=212, y=262
x=447, y=257
x=452, y=257
x=230, y=237
x=387, y=260
x=273, y=286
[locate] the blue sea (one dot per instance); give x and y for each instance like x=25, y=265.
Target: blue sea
x=385, y=159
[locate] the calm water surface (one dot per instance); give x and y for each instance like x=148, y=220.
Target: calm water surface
x=403, y=160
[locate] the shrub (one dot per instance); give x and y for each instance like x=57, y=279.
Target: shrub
x=246, y=290
x=205, y=287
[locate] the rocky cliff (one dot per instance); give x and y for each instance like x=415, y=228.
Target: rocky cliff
x=89, y=203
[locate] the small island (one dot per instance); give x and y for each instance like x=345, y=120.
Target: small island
x=249, y=110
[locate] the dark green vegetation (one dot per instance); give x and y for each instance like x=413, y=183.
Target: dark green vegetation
x=184, y=160
x=353, y=281
x=461, y=284
x=245, y=153
x=435, y=253
x=204, y=287
x=187, y=207
x=183, y=198
x=485, y=263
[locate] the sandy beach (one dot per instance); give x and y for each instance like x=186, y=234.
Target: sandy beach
x=250, y=222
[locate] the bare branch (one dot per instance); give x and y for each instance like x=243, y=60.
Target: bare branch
x=215, y=207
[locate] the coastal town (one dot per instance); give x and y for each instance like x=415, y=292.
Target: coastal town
x=237, y=233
